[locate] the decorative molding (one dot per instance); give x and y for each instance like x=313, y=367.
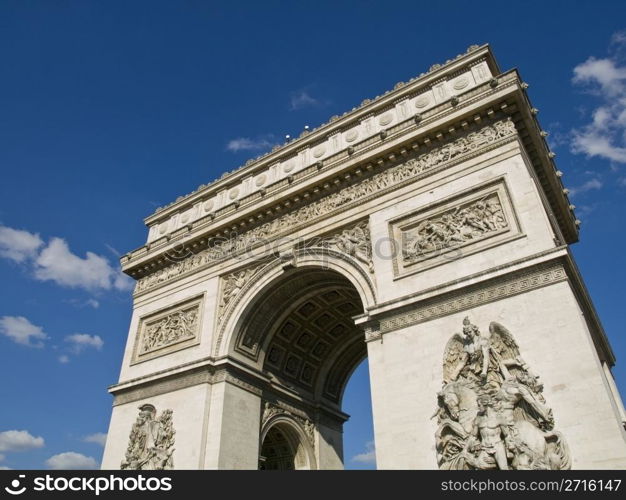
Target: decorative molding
x=171, y=329
x=231, y=286
x=456, y=227
x=250, y=346
x=271, y=410
x=354, y=241
x=491, y=410
x=151, y=441
x=320, y=144
x=462, y=148
x=475, y=295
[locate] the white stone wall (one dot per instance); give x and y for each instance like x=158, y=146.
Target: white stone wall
x=159, y=300
x=190, y=407
x=548, y=324
x=533, y=221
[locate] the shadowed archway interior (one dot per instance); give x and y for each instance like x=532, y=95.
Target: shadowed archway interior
x=304, y=327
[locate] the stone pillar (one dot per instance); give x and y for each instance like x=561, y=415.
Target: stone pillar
x=554, y=339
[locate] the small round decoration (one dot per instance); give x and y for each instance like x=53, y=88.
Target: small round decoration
x=163, y=228
x=288, y=167
x=319, y=151
x=208, y=205
x=260, y=180
x=422, y=102
x=233, y=193
x=461, y=83
x=186, y=216
x=385, y=119
x=352, y=135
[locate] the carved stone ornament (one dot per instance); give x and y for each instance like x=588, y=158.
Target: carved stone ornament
x=354, y=241
x=175, y=327
x=167, y=330
x=231, y=286
x=491, y=410
x=271, y=410
x=454, y=228
x=413, y=168
x=151, y=441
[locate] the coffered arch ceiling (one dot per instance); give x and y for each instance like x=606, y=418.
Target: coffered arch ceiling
x=305, y=329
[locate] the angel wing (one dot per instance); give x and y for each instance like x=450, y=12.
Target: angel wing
x=454, y=358
x=502, y=342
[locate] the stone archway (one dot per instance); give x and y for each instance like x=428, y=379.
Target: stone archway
x=285, y=446
x=300, y=331
x=433, y=209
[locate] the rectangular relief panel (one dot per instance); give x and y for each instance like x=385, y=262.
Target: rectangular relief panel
x=168, y=330
x=468, y=222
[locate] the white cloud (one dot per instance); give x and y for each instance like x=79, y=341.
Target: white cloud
x=64, y=359
x=2, y=457
x=57, y=263
x=605, y=134
x=302, y=99
x=80, y=341
x=2, y=467
x=18, y=245
x=368, y=456
x=248, y=144
x=591, y=184
x=19, y=441
x=21, y=331
x=72, y=461
x=98, y=438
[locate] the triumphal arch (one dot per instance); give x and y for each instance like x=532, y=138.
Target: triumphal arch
x=428, y=230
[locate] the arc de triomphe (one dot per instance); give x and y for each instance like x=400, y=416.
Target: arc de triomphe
x=426, y=230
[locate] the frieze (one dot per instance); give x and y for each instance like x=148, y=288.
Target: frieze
x=414, y=168
x=455, y=227
x=500, y=288
x=174, y=328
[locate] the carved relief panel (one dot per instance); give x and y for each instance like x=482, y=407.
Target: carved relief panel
x=491, y=411
x=171, y=329
x=454, y=228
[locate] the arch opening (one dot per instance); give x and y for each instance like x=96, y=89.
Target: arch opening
x=300, y=331
x=283, y=448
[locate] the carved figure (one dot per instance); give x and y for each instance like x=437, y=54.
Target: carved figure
x=491, y=410
x=151, y=441
x=455, y=227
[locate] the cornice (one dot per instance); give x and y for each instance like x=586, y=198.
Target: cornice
x=439, y=123
x=336, y=124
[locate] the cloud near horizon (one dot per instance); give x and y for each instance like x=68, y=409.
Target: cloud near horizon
x=21, y=331
x=249, y=144
x=80, y=341
x=19, y=441
x=71, y=460
x=57, y=263
x=98, y=438
x=301, y=99
x=605, y=135
x=368, y=456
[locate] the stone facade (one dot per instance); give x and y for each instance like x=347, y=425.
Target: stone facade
x=430, y=211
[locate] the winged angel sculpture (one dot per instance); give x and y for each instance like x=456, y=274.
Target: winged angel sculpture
x=491, y=410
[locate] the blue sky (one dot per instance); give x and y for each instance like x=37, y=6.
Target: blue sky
x=111, y=109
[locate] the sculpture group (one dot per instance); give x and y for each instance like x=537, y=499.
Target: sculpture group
x=491, y=410
x=456, y=227
x=151, y=441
